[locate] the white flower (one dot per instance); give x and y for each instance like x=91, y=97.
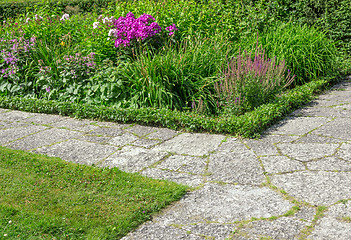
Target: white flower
x=64, y=17
x=95, y=25
x=36, y=17
x=111, y=32
x=27, y=20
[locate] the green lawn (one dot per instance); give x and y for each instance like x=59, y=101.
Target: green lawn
x=47, y=198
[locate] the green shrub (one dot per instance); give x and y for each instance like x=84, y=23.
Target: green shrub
x=332, y=16
x=308, y=52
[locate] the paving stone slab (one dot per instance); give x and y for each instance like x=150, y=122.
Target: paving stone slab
x=298, y=126
x=160, y=231
x=181, y=163
x=281, y=228
x=323, y=112
x=6, y=124
x=280, y=164
x=146, y=143
x=242, y=168
x=78, y=151
x=211, y=230
x=75, y=124
x=232, y=144
x=43, y=138
x=180, y=178
x=107, y=131
x=163, y=134
x=265, y=145
x=336, y=225
x=141, y=130
x=8, y=135
x=126, y=138
x=314, y=138
x=338, y=128
x=94, y=138
x=308, y=151
x=196, y=144
x=15, y=115
x=318, y=188
x=44, y=119
x=225, y=204
x=133, y=159
x=345, y=152
x=3, y=110
x=330, y=164
x=344, y=107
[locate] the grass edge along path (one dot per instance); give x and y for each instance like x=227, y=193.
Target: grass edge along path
x=250, y=124
x=45, y=197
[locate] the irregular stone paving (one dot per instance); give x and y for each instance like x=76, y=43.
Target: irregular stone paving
x=292, y=183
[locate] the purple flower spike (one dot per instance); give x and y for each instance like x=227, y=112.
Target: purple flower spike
x=48, y=89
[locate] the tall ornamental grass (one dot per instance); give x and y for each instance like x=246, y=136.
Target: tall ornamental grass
x=308, y=53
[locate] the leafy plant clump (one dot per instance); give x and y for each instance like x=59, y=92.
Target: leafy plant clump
x=161, y=56
x=247, y=84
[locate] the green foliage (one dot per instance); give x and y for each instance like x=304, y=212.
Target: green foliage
x=308, y=53
x=332, y=16
x=250, y=124
x=46, y=198
x=13, y=8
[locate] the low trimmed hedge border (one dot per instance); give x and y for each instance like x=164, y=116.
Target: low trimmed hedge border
x=248, y=125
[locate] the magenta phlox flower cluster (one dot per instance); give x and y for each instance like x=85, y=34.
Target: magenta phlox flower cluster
x=172, y=29
x=129, y=28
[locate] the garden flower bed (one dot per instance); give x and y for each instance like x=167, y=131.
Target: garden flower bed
x=197, y=66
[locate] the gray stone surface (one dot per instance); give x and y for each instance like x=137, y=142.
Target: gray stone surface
x=181, y=163
x=330, y=164
x=180, y=178
x=192, y=144
x=336, y=111
x=163, y=134
x=280, y=164
x=44, y=119
x=141, y=130
x=147, y=143
x=133, y=159
x=318, y=188
x=11, y=134
x=313, y=138
x=345, y=152
x=75, y=124
x=225, y=204
x=266, y=144
x=338, y=128
x=107, y=131
x=298, y=125
x=281, y=228
x=126, y=138
x=307, y=151
x=242, y=168
x=78, y=151
x=336, y=224
x=43, y=138
x=15, y=115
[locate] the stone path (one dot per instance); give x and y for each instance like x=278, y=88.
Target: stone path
x=293, y=183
